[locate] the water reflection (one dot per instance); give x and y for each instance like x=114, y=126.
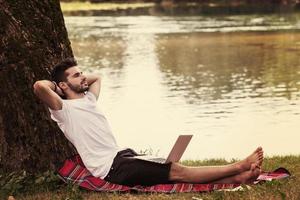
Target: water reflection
x=85, y=27
x=104, y=52
x=230, y=65
x=164, y=76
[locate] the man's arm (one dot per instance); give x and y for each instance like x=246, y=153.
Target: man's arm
x=44, y=90
x=94, y=83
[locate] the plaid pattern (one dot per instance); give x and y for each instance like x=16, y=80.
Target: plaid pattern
x=279, y=173
x=73, y=171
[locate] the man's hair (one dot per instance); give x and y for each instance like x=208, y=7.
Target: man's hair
x=58, y=72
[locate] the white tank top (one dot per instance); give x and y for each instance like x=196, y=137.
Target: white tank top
x=88, y=130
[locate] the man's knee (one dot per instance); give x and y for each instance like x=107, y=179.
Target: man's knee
x=177, y=172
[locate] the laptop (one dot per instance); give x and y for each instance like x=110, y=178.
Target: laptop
x=176, y=152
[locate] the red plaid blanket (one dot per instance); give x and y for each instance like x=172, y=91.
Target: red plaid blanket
x=73, y=171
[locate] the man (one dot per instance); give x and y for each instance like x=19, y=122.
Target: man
x=86, y=127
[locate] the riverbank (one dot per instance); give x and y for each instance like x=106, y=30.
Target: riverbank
x=171, y=8
x=83, y=6
x=49, y=187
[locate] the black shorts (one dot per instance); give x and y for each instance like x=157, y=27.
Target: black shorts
x=130, y=171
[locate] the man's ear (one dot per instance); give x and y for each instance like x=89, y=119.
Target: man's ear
x=62, y=85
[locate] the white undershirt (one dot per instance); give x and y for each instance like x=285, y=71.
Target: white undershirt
x=88, y=130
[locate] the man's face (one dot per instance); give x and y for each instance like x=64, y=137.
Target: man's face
x=76, y=80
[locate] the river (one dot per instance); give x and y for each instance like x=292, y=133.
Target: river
x=232, y=81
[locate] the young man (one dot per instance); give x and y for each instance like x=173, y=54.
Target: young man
x=87, y=129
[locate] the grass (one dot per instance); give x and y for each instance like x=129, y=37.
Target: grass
x=47, y=186
x=83, y=6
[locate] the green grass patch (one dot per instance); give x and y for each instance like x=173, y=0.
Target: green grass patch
x=48, y=186
x=83, y=6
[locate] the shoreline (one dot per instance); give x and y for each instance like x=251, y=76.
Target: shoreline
x=172, y=9
x=87, y=6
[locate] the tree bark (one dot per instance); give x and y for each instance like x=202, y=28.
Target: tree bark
x=33, y=38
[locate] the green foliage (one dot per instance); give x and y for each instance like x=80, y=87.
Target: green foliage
x=21, y=182
x=72, y=193
x=205, y=162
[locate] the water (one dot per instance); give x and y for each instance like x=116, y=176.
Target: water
x=232, y=81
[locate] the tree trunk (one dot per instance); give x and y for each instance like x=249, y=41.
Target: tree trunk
x=33, y=38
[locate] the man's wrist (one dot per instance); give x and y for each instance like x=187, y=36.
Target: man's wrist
x=55, y=86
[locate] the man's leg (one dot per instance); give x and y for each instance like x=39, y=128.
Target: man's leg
x=213, y=173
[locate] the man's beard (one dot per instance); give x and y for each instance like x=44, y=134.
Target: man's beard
x=77, y=88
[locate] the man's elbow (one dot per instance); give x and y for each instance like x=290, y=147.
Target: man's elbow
x=96, y=79
x=99, y=79
x=38, y=86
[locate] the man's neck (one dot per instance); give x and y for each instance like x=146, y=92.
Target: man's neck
x=75, y=95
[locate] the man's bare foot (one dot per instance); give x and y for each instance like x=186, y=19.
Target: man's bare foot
x=248, y=176
x=255, y=158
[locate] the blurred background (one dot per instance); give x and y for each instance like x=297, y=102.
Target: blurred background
x=227, y=72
